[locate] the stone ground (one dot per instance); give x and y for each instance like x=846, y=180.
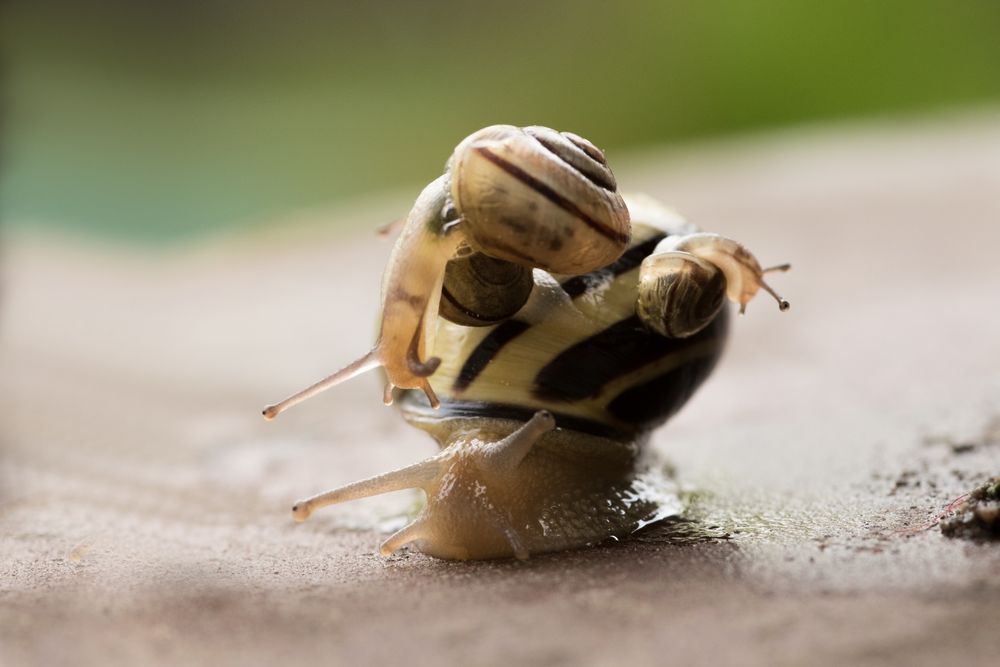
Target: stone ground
x=144, y=503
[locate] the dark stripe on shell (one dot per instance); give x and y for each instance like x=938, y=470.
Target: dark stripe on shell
x=652, y=403
x=582, y=370
x=526, y=259
x=546, y=191
x=598, y=172
x=415, y=403
x=629, y=260
x=487, y=349
x=472, y=315
x=574, y=287
x=587, y=147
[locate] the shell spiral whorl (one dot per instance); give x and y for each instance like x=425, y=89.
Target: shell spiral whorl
x=579, y=153
x=539, y=198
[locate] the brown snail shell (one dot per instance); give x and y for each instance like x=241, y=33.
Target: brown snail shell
x=480, y=290
x=539, y=198
x=679, y=295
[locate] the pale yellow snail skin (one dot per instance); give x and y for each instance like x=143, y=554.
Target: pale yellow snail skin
x=547, y=398
x=496, y=491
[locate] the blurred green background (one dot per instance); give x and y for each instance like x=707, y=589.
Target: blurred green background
x=160, y=121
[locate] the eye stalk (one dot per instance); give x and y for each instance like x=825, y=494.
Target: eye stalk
x=531, y=197
x=683, y=283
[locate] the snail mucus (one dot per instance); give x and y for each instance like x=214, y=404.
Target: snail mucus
x=539, y=325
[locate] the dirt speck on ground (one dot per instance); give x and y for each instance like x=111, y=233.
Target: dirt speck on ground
x=975, y=515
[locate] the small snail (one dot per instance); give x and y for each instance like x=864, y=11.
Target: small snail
x=559, y=326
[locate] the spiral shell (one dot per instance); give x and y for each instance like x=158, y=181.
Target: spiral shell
x=479, y=290
x=539, y=198
x=679, y=295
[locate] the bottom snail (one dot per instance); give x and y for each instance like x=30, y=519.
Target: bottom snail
x=544, y=387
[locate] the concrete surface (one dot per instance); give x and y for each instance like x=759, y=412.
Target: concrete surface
x=144, y=506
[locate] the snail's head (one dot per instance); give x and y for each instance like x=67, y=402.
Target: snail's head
x=475, y=496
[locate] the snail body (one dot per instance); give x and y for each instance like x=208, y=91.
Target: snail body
x=539, y=328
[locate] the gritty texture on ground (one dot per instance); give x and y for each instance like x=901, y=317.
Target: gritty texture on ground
x=144, y=504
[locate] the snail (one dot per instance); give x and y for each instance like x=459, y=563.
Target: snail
x=539, y=325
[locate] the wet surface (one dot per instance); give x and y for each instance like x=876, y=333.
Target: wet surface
x=144, y=505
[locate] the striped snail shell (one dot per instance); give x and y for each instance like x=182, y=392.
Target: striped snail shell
x=538, y=197
x=557, y=331
x=683, y=284
x=480, y=290
x=678, y=296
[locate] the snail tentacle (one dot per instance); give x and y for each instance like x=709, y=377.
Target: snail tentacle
x=418, y=475
x=411, y=532
x=411, y=289
x=744, y=276
x=364, y=364
x=507, y=454
x=389, y=228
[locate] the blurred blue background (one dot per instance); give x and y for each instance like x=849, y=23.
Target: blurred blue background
x=162, y=121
